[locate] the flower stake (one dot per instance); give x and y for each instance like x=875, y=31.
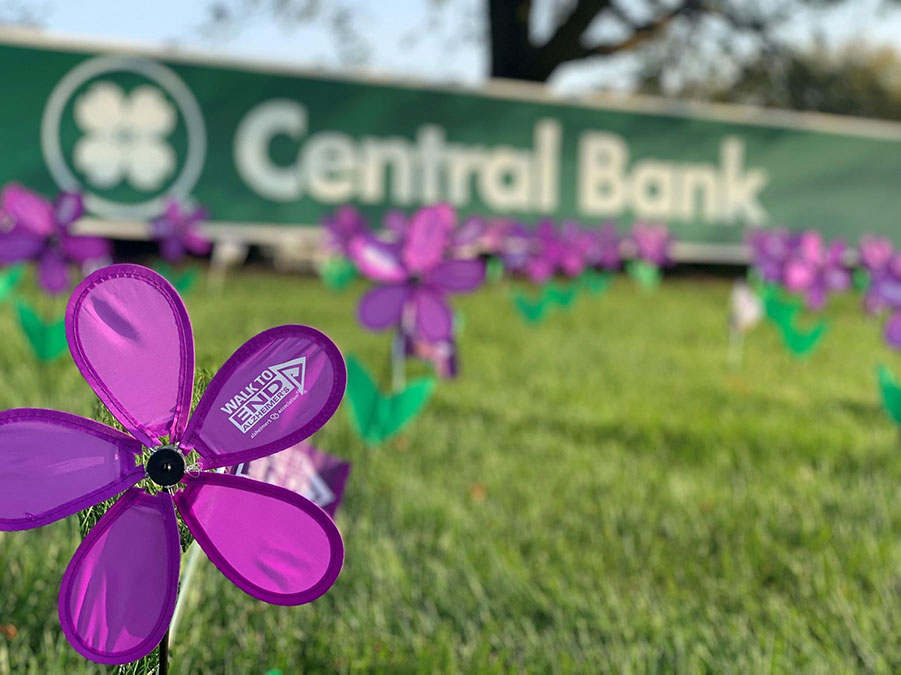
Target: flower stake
x=745, y=312
x=131, y=338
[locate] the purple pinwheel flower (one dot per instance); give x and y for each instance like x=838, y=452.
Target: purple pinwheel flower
x=31, y=228
x=340, y=229
x=416, y=277
x=131, y=338
x=546, y=251
x=178, y=233
x=652, y=243
x=884, y=294
x=572, y=249
x=603, y=247
x=815, y=270
x=515, y=246
x=770, y=250
x=875, y=253
x=468, y=240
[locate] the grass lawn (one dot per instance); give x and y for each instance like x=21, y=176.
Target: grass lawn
x=595, y=493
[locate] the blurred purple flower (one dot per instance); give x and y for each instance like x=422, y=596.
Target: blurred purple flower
x=31, y=228
x=178, y=233
x=514, y=247
x=884, y=291
x=572, y=249
x=875, y=253
x=416, y=277
x=340, y=229
x=652, y=243
x=815, y=270
x=770, y=250
x=604, y=247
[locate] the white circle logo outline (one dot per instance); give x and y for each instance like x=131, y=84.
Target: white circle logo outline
x=161, y=76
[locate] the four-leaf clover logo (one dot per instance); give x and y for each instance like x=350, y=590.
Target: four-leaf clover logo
x=125, y=136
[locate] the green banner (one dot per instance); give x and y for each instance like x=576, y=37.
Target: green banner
x=263, y=146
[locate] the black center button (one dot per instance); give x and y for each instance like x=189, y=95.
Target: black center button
x=166, y=466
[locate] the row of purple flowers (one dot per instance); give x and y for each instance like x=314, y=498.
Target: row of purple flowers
x=34, y=229
x=806, y=264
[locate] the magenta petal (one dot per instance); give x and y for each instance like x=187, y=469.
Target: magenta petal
x=427, y=237
x=434, y=319
x=377, y=260
x=278, y=388
x=53, y=464
x=82, y=249
x=28, y=209
x=383, y=306
x=268, y=541
x=196, y=243
x=53, y=272
x=457, y=276
x=131, y=339
x=118, y=593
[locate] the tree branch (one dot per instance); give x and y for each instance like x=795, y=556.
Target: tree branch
x=641, y=32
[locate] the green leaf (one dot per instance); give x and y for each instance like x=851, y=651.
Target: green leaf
x=376, y=416
x=532, y=311
x=779, y=310
x=801, y=342
x=337, y=273
x=494, y=269
x=891, y=393
x=595, y=283
x=47, y=338
x=560, y=295
x=10, y=279
x=182, y=281
x=646, y=275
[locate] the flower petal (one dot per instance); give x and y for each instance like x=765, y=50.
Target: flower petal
x=434, y=319
x=268, y=541
x=383, y=306
x=427, y=237
x=377, y=260
x=118, y=593
x=457, y=276
x=82, y=249
x=893, y=331
x=279, y=388
x=29, y=210
x=67, y=208
x=53, y=272
x=53, y=464
x=19, y=244
x=131, y=338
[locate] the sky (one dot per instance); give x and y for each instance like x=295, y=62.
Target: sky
x=414, y=38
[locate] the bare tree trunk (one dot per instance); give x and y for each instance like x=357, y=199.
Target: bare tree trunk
x=512, y=54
